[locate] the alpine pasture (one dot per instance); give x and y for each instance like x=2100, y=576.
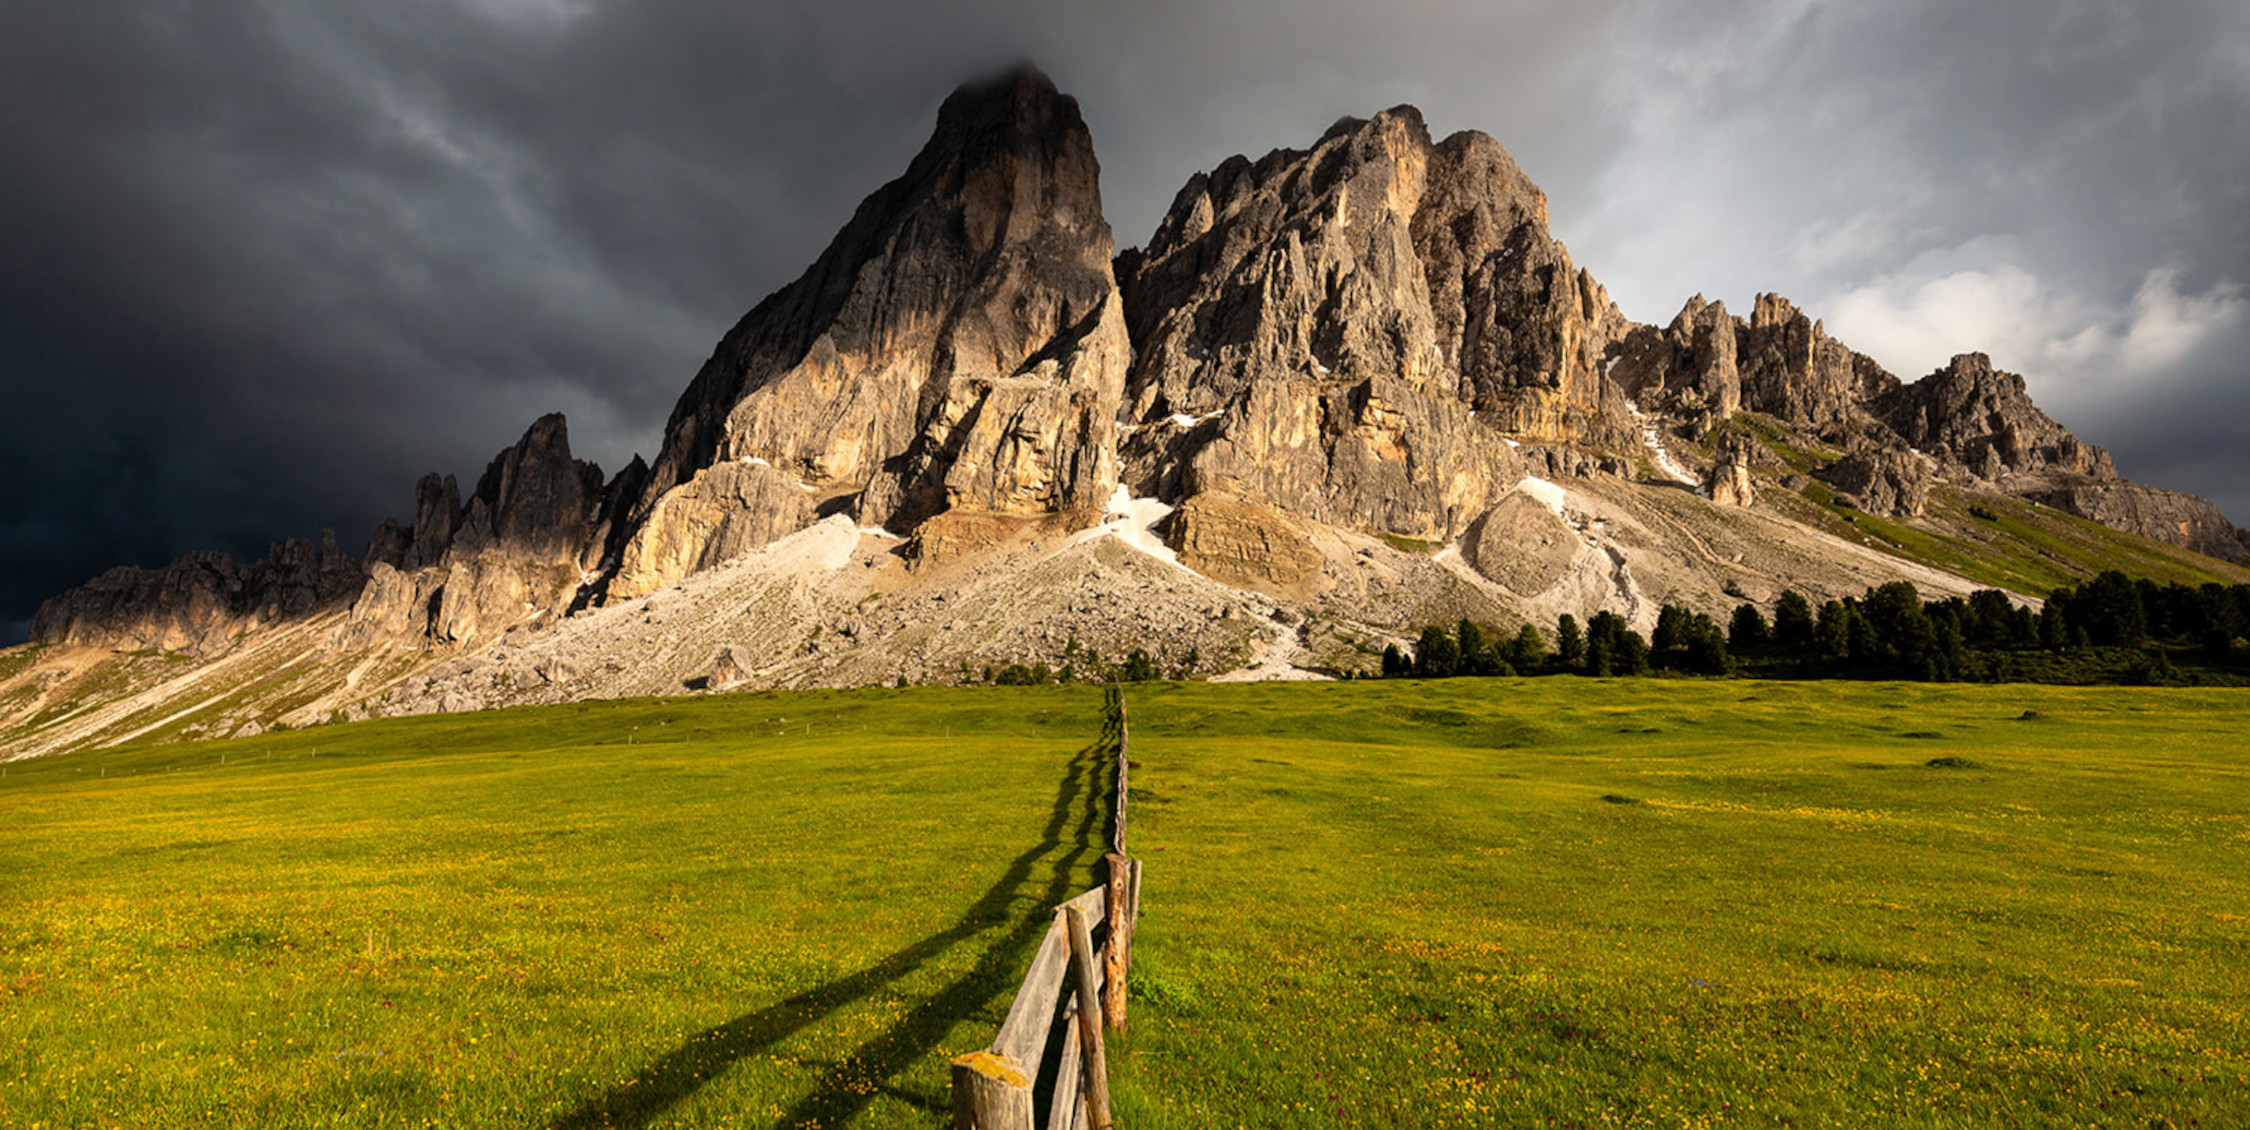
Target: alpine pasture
x=1484, y=902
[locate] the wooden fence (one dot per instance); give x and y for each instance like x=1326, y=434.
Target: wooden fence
x=1057, y=1031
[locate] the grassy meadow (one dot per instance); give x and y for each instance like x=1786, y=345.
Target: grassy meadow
x=1476, y=902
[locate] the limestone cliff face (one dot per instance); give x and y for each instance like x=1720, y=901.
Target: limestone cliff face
x=1349, y=333
x=437, y=513
x=514, y=554
x=1792, y=369
x=1377, y=333
x=1978, y=418
x=723, y=512
x=1977, y=422
x=959, y=345
x=1884, y=481
x=1707, y=365
x=201, y=603
x=1687, y=369
x=2181, y=519
x=535, y=502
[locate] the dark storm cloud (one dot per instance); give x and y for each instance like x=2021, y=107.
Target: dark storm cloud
x=262, y=264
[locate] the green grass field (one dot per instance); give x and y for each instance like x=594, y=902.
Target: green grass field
x=1476, y=902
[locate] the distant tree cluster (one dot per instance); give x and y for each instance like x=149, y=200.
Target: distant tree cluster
x=1606, y=646
x=1081, y=665
x=2113, y=610
x=2111, y=629
x=1466, y=651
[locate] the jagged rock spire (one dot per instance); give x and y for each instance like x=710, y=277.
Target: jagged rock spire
x=958, y=345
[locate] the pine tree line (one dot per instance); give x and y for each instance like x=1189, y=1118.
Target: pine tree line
x=2110, y=629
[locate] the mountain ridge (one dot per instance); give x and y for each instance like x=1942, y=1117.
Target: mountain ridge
x=1354, y=384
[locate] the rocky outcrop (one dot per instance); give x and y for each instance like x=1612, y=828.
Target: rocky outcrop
x=487, y=593
x=201, y=603
x=512, y=556
x=721, y=514
x=1729, y=483
x=389, y=545
x=1525, y=329
x=613, y=525
x=1979, y=419
x=1707, y=365
x=1348, y=333
x=534, y=502
x=1883, y=481
x=394, y=605
x=437, y=513
x=1522, y=543
x=958, y=345
x=730, y=668
x=1687, y=369
x=1242, y=544
x=1791, y=369
x=959, y=534
x=2181, y=519
x=515, y=552
x=1570, y=462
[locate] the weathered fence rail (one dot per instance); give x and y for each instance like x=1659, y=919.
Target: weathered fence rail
x=1067, y=998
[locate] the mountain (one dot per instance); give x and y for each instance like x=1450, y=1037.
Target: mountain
x=1341, y=392
x=959, y=349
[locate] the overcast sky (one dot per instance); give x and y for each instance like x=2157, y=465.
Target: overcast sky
x=262, y=264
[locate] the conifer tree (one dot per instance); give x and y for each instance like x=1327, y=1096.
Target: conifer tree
x=1570, y=645
x=1793, y=622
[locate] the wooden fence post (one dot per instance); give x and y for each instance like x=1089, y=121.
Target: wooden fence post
x=1090, y=1025
x=1132, y=912
x=1113, y=950
x=990, y=1092
x=1117, y=811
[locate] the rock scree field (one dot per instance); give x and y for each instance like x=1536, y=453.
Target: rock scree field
x=1456, y=903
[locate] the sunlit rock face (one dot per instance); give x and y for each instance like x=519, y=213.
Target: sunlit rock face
x=1351, y=332
x=959, y=345
x=1980, y=419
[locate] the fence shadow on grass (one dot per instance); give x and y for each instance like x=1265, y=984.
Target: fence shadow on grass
x=851, y=1084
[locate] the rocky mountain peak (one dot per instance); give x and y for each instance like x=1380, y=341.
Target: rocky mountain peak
x=1771, y=311
x=1353, y=331
x=534, y=499
x=1980, y=418
x=1019, y=100
x=958, y=346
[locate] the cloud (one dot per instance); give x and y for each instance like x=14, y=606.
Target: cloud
x=2166, y=327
